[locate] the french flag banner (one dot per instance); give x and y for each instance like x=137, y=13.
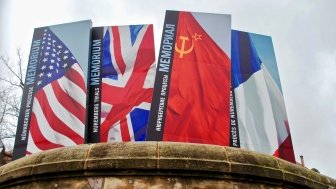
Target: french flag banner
x=53, y=107
x=122, y=71
x=259, y=103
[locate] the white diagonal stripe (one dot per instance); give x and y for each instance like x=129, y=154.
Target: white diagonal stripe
x=114, y=62
x=130, y=128
x=46, y=130
x=114, y=134
x=31, y=147
x=105, y=109
x=67, y=117
x=73, y=90
x=149, y=81
x=78, y=69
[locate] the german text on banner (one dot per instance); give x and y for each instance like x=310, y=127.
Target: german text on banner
x=262, y=119
x=192, y=85
x=53, y=108
x=122, y=73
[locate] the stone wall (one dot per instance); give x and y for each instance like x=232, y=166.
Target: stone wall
x=156, y=165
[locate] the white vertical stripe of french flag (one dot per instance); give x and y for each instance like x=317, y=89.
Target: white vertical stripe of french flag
x=278, y=107
x=257, y=128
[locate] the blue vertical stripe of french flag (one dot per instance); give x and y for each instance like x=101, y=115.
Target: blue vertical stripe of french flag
x=245, y=60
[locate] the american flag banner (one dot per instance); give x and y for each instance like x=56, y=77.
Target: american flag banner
x=58, y=117
x=125, y=86
x=58, y=103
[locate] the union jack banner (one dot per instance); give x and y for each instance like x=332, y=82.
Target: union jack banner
x=57, y=103
x=121, y=97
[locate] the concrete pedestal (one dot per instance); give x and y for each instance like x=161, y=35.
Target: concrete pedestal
x=156, y=165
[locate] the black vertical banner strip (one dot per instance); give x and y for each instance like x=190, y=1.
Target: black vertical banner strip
x=95, y=79
x=86, y=131
x=22, y=131
x=234, y=131
x=162, y=79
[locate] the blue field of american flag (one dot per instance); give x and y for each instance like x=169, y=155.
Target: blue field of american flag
x=128, y=70
x=59, y=104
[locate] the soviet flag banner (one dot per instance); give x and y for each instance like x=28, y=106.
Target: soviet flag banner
x=261, y=113
x=192, y=84
x=53, y=108
x=122, y=73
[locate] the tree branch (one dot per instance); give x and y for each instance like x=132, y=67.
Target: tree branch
x=19, y=54
x=10, y=97
x=10, y=82
x=11, y=114
x=6, y=62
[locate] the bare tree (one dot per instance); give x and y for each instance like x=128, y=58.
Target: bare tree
x=11, y=88
x=14, y=69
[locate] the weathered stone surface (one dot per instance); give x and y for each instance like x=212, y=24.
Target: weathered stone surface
x=145, y=182
x=302, y=176
x=61, y=160
x=127, y=155
x=198, y=157
x=156, y=165
x=19, y=168
x=255, y=164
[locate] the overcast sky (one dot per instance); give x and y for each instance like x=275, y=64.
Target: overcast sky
x=303, y=33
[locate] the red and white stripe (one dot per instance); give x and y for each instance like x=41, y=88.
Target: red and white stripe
x=58, y=114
